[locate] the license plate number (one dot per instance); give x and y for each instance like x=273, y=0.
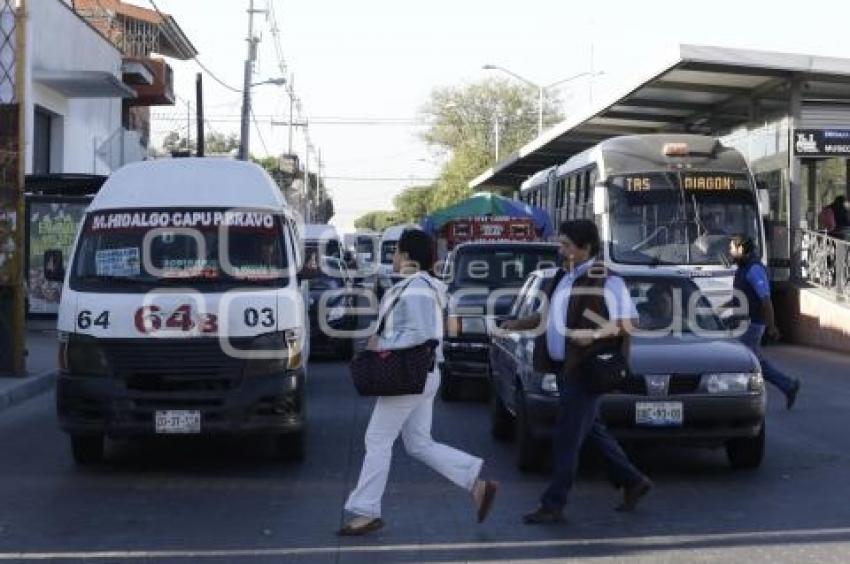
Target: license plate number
x=179, y=422
x=659, y=414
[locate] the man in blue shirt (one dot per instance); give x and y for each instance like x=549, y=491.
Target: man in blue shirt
x=751, y=283
x=565, y=342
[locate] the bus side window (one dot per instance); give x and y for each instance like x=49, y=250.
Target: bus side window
x=580, y=197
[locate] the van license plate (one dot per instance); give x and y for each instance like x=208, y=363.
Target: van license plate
x=659, y=414
x=178, y=422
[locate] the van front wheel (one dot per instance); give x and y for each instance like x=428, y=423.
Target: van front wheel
x=87, y=449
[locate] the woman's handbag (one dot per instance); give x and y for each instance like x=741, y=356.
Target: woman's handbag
x=396, y=372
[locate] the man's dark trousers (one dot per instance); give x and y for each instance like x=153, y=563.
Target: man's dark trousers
x=578, y=419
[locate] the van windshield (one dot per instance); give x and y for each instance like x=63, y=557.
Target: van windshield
x=204, y=247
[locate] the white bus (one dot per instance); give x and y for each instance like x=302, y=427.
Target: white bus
x=668, y=201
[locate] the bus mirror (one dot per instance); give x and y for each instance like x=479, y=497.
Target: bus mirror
x=599, y=199
x=764, y=201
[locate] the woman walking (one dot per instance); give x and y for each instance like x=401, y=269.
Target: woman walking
x=413, y=308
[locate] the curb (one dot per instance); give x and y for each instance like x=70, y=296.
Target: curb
x=30, y=387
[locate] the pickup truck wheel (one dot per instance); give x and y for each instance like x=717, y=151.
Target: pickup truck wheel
x=746, y=454
x=87, y=449
x=502, y=424
x=448, y=386
x=530, y=450
x=290, y=446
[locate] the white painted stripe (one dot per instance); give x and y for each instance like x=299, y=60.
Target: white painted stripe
x=781, y=537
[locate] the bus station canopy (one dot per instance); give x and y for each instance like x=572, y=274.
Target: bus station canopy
x=701, y=89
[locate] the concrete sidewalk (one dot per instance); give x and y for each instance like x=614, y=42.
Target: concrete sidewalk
x=42, y=349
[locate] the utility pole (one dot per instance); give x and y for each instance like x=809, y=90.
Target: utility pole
x=291, y=104
x=306, y=178
x=245, y=136
x=189, y=127
x=199, y=105
x=497, y=135
x=318, y=203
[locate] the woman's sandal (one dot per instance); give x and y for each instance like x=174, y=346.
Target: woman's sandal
x=490, y=489
x=369, y=527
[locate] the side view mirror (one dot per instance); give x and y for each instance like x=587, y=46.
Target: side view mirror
x=599, y=192
x=54, y=268
x=764, y=199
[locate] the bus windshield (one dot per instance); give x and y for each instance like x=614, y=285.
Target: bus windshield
x=682, y=217
x=140, y=249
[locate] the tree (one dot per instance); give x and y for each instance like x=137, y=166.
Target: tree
x=377, y=220
x=414, y=203
x=218, y=143
x=463, y=125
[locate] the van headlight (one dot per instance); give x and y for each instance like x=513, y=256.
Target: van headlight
x=281, y=351
x=732, y=382
x=82, y=355
x=549, y=384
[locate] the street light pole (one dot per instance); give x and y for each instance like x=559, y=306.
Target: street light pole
x=540, y=89
x=291, y=104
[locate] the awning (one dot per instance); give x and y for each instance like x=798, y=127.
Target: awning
x=136, y=73
x=709, y=90
x=84, y=84
x=63, y=184
x=487, y=204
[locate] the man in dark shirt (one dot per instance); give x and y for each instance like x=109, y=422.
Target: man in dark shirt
x=751, y=282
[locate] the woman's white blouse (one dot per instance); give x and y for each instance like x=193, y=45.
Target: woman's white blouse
x=418, y=315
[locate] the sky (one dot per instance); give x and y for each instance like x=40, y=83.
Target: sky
x=377, y=61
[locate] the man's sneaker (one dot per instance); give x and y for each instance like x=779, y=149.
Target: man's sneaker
x=633, y=493
x=543, y=516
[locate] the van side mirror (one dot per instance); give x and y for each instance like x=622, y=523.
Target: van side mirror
x=599, y=191
x=308, y=273
x=764, y=199
x=54, y=268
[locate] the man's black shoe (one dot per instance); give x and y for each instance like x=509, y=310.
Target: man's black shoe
x=791, y=396
x=633, y=493
x=543, y=516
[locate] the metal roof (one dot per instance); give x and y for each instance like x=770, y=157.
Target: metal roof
x=702, y=89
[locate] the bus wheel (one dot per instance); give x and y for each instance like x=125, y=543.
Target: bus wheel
x=87, y=449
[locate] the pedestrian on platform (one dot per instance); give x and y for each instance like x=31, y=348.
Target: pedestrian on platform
x=752, y=289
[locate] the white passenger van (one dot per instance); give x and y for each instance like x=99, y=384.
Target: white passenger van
x=181, y=310
x=323, y=240
x=389, y=242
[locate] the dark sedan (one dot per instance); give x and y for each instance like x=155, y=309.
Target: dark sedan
x=483, y=279
x=691, y=383
x=331, y=297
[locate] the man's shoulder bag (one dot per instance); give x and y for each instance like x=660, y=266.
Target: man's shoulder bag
x=601, y=367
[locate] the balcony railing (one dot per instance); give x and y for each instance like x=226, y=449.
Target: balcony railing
x=825, y=262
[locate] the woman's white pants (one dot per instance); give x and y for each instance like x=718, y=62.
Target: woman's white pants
x=411, y=415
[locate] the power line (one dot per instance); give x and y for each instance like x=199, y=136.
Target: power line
x=210, y=73
x=380, y=179
x=259, y=133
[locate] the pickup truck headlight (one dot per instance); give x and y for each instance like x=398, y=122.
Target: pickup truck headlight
x=732, y=382
x=82, y=355
x=549, y=384
x=286, y=345
x=458, y=325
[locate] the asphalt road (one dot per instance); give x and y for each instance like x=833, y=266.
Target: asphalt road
x=231, y=501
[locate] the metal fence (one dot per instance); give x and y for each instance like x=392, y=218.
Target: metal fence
x=825, y=262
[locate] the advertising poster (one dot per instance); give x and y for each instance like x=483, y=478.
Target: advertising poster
x=52, y=225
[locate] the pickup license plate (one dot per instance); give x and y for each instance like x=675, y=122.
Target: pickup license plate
x=659, y=414
x=178, y=422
